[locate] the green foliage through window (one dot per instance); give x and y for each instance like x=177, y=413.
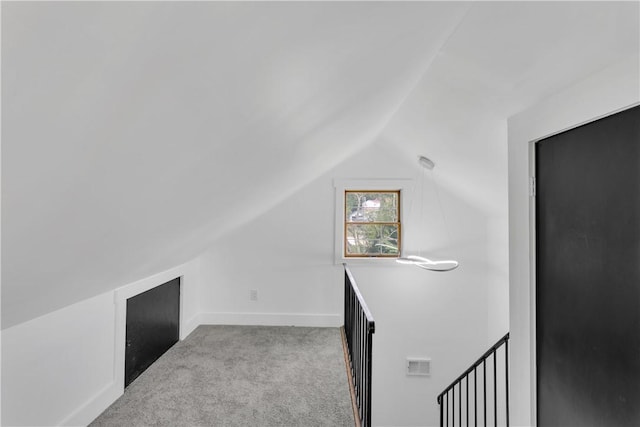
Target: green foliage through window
x=372, y=223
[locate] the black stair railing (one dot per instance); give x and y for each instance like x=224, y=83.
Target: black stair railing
x=480, y=396
x=359, y=327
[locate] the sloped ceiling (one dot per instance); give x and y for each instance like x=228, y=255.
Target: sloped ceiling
x=503, y=58
x=135, y=133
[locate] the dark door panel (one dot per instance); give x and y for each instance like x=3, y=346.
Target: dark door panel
x=588, y=274
x=153, y=326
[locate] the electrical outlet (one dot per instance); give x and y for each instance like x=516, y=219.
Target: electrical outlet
x=253, y=295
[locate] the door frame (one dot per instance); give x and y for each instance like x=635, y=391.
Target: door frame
x=609, y=90
x=532, y=253
x=532, y=277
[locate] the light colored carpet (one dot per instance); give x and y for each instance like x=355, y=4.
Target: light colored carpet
x=241, y=376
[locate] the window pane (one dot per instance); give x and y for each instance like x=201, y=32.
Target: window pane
x=371, y=207
x=372, y=239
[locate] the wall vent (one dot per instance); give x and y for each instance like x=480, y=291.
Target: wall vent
x=418, y=367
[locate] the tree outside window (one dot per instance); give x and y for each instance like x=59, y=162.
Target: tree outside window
x=372, y=223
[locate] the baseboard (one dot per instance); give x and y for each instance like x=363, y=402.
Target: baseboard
x=88, y=412
x=190, y=326
x=271, y=319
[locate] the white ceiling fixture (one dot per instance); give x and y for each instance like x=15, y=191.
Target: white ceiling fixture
x=419, y=260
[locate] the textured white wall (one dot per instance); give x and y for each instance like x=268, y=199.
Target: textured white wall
x=601, y=94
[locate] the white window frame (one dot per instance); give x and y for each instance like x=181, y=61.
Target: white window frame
x=405, y=185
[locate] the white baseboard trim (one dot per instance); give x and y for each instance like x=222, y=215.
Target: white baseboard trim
x=190, y=326
x=93, y=407
x=272, y=319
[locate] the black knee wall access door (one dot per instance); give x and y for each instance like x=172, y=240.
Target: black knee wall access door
x=153, y=326
x=588, y=274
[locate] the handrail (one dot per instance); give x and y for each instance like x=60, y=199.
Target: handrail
x=475, y=365
x=359, y=327
x=363, y=304
x=479, y=402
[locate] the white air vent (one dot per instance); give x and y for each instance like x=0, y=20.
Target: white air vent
x=420, y=367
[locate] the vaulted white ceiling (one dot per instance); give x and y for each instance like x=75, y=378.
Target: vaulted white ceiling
x=134, y=134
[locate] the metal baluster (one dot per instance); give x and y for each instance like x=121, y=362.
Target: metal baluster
x=361, y=364
x=484, y=386
x=467, y=399
x=365, y=373
x=369, y=370
x=506, y=376
x=453, y=406
x=361, y=360
x=364, y=365
x=363, y=326
x=495, y=390
x=447, y=396
x=475, y=396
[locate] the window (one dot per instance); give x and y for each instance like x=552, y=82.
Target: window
x=371, y=223
x=401, y=190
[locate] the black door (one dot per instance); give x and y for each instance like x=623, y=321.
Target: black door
x=153, y=322
x=588, y=274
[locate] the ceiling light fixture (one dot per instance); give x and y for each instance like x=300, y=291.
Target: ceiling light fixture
x=418, y=260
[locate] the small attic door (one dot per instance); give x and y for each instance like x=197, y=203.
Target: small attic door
x=153, y=326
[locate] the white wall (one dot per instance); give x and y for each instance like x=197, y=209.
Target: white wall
x=608, y=91
x=184, y=115
x=56, y=364
x=287, y=255
x=66, y=367
x=453, y=317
